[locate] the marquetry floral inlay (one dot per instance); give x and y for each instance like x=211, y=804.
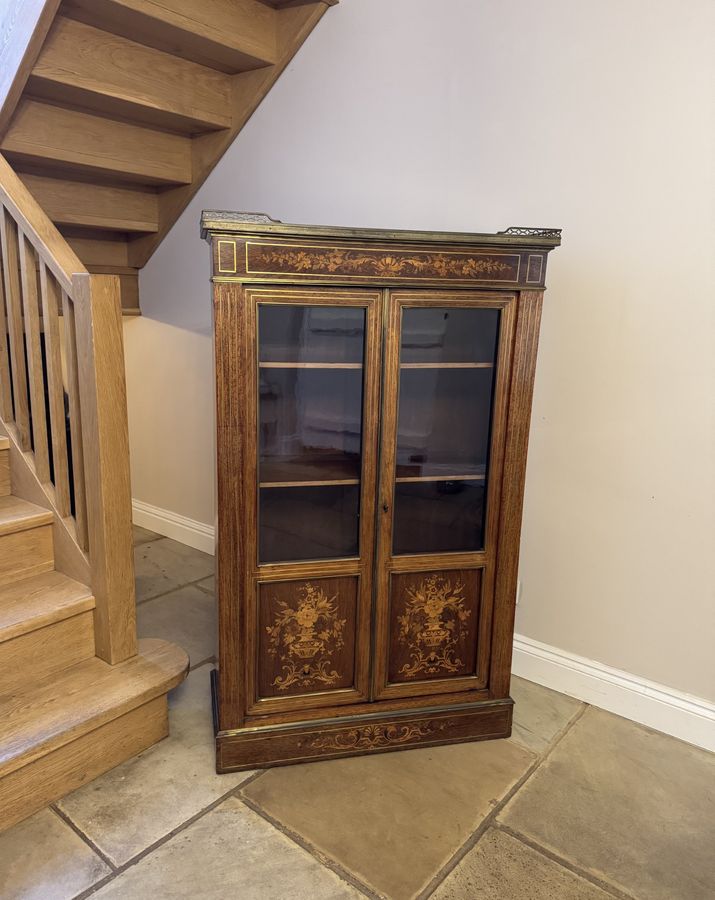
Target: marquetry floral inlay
x=304, y=636
x=378, y=263
x=431, y=626
x=368, y=737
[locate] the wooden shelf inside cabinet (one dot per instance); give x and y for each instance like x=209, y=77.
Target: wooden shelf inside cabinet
x=308, y=365
x=374, y=393
x=310, y=473
x=404, y=479
x=453, y=365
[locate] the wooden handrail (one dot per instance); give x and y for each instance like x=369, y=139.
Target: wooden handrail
x=53, y=249
x=76, y=372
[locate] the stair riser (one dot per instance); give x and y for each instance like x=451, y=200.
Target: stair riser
x=4, y=473
x=26, y=553
x=46, y=652
x=54, y=138
x=50, y=777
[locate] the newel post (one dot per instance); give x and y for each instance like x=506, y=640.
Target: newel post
x=105, y=436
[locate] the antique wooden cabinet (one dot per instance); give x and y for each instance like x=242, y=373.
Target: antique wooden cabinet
x=373, y=399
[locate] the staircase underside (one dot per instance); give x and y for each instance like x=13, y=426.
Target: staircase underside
x=120, y=109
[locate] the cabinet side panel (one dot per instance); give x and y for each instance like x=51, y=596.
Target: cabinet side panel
x=230, y=560
x=517, y=441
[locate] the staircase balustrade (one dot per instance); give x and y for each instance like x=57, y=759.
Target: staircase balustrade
x=63, y=404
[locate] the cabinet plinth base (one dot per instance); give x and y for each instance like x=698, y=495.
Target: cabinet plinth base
x=283, y=745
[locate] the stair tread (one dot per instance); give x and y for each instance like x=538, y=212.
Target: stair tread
x=45, y=716
x=18, y=515
x=39, y=601
x=4, y=442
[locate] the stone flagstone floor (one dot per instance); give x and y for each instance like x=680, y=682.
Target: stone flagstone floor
x=578, y=804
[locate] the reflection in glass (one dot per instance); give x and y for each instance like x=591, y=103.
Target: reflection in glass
x=447, y=361
x=299, y=523
x=328, y=334
x=310, y=396
x=310, y=424
x=455, y=335
x=438, y=516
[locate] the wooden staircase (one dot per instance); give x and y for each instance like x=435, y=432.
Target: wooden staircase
x=112, y=114
x=120, y=109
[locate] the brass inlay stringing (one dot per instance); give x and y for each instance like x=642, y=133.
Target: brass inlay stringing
x=304, y=637
x=540, y=260
x=232, y=245
x=432, y=625
x=370, y=736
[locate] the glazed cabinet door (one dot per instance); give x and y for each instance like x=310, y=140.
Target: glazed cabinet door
x=313, y=360
x=447, y=363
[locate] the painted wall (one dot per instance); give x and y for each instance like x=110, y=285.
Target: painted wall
x=475, y=115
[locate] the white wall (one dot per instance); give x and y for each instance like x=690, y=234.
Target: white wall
x=475, y=115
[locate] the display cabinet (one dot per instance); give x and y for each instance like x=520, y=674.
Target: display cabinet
x=373, y=403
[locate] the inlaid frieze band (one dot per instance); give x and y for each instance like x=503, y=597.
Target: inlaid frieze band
x=358, y=262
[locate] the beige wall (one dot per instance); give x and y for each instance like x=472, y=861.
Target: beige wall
x=475, y=115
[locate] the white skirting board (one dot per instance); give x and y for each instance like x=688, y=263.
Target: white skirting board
x=689, y=718
x=170, y=524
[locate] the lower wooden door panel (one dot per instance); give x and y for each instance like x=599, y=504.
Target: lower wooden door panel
x=306, y=634
x=433, y=625
x=310, y=646
x=432, y=633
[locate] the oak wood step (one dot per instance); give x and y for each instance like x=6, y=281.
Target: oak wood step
x=228, y=35
x=19, y=515
x=67, y=768
x=55, y=138
x=39, y=601
x=46, y=652
x=100, y=206
x=46, y=716
x=88, y=67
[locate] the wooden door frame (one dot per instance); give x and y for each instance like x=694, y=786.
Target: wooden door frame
x=238, y=572
x=396, y=300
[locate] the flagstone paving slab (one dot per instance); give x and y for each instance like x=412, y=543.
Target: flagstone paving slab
x=501, y=867
x=633, y=806
x=229, y=852
x=43, y=859
x=539, y=714
x=164, y=565
x=141, y=801
x=393, y=819
x=186, y=617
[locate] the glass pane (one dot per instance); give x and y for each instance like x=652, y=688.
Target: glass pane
x=310, y=431
x=447, y=361
x=439, y=335
x=438, y=516
x=308, y=522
